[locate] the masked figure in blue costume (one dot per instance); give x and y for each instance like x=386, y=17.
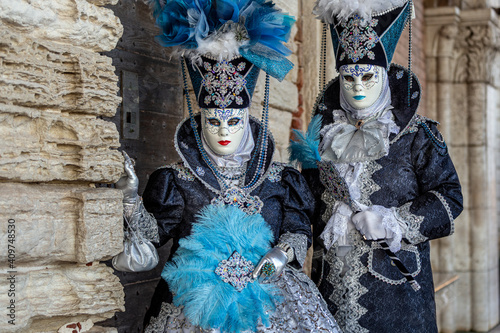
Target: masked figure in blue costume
x=240, y=223
x=384, y=182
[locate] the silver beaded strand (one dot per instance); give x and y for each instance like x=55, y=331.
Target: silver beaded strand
x=410, y=75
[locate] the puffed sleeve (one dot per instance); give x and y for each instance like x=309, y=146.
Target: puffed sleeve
x=317, y=188
x=163, y=199
x=298, y=207
x=431, y=215
x=318, y=225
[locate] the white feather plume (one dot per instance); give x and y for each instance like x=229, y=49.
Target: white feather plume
x=224, y=45
x=217, y=46
x=327, y=10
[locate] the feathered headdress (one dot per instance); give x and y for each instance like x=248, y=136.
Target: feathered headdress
x=224, y=29
x=341, y=10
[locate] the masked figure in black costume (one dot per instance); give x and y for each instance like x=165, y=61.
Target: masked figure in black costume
x=240, y=223
x=381, y=174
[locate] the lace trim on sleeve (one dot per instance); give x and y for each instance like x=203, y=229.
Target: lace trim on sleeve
x=448, y=210
x=410, y=223
x=390, y=222
x=298, y=242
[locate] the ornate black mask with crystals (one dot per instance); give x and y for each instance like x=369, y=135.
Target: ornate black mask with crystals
x=223, y=84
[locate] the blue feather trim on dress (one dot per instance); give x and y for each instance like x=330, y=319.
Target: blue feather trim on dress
x=208, y=301
x=304, y=149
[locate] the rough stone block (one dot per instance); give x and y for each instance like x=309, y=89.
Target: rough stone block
x=48, y=297
x=46, y=146
x=290, y=7
x=60, y=223
x=292, y=76
x=99, y=329
x=279, y=125
x=100, y=232
x=282, y=95
x=103, y=2
x=48, y=75
x=73, y=22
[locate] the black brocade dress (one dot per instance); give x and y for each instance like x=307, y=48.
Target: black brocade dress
x=176, y=193
x=418, y=179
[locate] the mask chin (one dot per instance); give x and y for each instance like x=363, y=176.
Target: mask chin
x=223, y=129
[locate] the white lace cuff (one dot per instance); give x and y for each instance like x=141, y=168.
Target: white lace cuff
x=394, y=233
x=336, y=228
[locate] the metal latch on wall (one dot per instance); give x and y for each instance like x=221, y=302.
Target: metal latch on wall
x=130, y=105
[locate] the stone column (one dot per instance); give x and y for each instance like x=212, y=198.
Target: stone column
x=462, y=94
x=55, y=223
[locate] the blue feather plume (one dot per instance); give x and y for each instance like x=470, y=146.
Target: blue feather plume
x=304, y=149
x=190, y=23
x=208, y=301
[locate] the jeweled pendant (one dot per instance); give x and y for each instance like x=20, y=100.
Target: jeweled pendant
x=236, y=196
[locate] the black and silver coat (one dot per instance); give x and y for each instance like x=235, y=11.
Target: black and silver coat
x=418, y=179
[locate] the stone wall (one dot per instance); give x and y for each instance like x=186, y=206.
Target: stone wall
x=56, y=225
x=462, y=49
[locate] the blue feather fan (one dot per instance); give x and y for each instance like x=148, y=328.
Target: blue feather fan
x=304, y=149
x=208, y=301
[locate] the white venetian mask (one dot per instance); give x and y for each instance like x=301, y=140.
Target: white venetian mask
x=362, y=85
x=223, y=129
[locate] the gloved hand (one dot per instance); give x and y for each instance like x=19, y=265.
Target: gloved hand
x=369, y=224
x=128, y=183
x=271, y=265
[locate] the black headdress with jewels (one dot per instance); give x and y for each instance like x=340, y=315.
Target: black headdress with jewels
x=223, y=84
x=364, y=32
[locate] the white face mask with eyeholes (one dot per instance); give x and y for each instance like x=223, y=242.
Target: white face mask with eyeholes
x=362, y=85
x=223, y=129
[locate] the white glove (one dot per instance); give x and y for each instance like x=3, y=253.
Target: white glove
x=369, y=224
x=128, y=183
x=271, y=265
